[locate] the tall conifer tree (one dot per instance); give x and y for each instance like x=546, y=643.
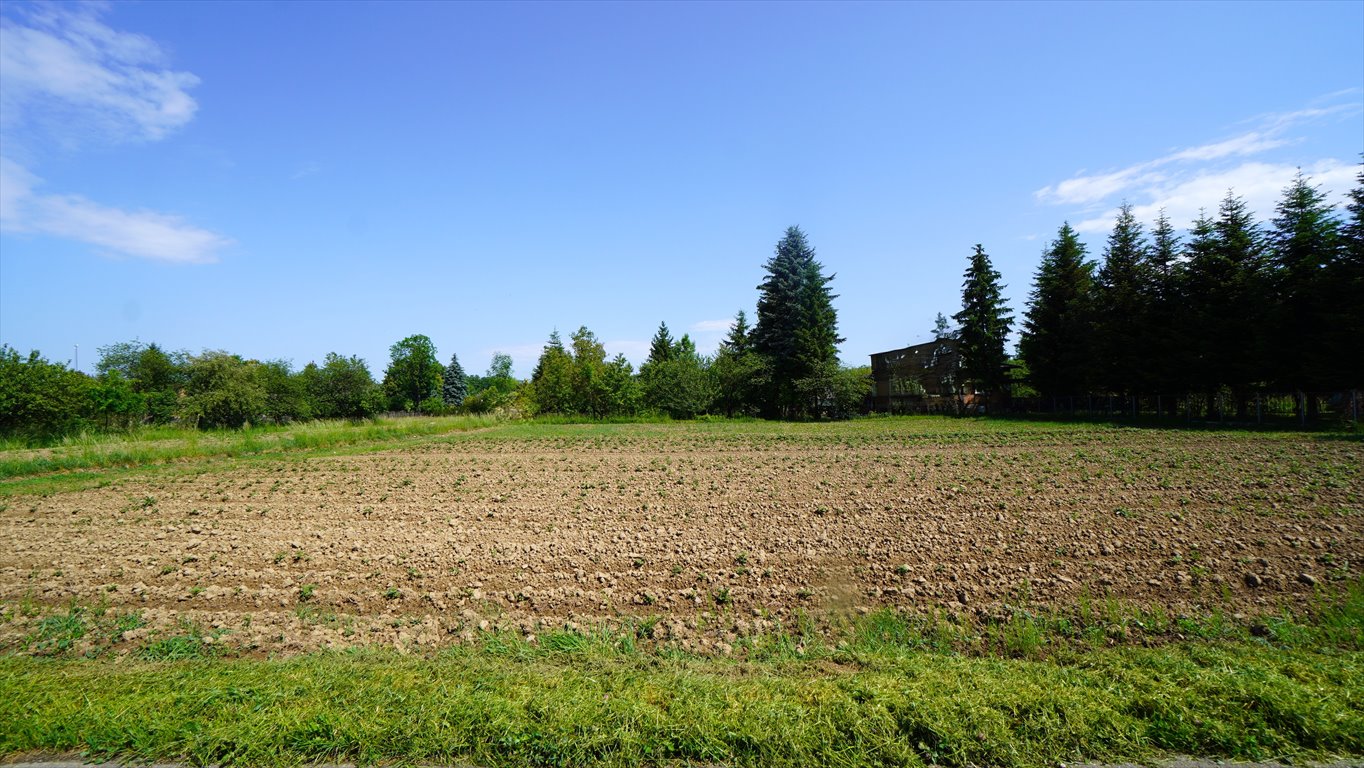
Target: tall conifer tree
x=1345, y=276
x=983, y=322
x=1057, y=329
x=797, y=328
x=1163, y=347
x=1303, y=243
x=454, y=385
x=1121, y=322
x=661, y=348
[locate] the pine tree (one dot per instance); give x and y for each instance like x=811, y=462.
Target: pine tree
x=1203, y=273
x=739, y=340
x=797, y=329
x=1121, y=322
x=1224, y=290
x=734, y=372
x=1057, y=327
x=1240, y=326
x=1304, y=241
x=1163, y=346
x=1345, y=275
x=984, y=322
x=454, y=386
x=661, y=348
x=942, y=328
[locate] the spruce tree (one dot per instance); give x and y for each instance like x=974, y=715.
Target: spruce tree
x=735, y=371
x=1057, y=328
x=1303, y=243
x=738, y=340
x=661, y=348
x=1345, y=276
x=1241, y=324
x=983, y=322
x=1121, y=322
x=942, y=328
x=454, y=386
x=796, y=333
x=1203, y=273
x=1163, y=346
x=1225, y=319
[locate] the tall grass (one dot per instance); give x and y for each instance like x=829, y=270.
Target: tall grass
x=893, y=690
x=163, y=445
x=593, y=703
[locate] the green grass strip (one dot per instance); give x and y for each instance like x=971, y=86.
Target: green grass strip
x=159, y=446
x=506, y=703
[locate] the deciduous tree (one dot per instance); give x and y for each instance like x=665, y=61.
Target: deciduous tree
x=413, y=373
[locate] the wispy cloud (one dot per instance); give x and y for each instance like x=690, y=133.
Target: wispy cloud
x=1183, y=180
x=140, y=234
x=712, y=326
x=66, y=76
x=63, y=69
x=308, y=169
x=1261, y=185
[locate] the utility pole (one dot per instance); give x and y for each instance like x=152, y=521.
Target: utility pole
x=78, y=357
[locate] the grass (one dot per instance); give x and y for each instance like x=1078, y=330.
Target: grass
x=893, y=689
x=80, y=461
x=575, y=700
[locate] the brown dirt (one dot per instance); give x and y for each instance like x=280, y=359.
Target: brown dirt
x=718, y=534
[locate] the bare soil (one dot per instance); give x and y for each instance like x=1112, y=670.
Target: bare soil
x=716, y=534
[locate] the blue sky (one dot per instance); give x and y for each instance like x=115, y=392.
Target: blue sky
x=282, y=180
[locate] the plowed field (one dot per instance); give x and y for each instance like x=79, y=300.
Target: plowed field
x=707, y=532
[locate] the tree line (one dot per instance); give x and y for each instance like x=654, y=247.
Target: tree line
x=1236, y=308
x=786, y=366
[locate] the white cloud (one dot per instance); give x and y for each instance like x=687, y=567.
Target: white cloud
x=1184, y=181
x=66, y=71
x=1177, y=168
x=140, y=234
x=16, y=183
x=1246, y=144
x=65, y=76
x=1261, y=185
x=712, y=326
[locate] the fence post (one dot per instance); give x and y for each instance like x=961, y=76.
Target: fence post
x=1259, y=417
